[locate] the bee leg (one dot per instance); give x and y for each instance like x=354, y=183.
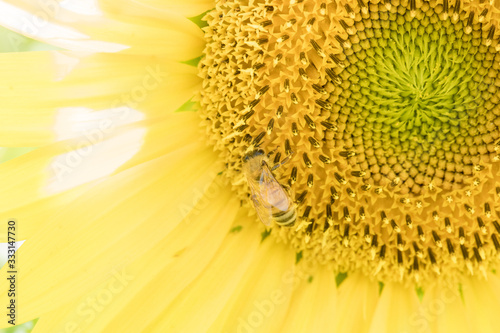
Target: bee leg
x=286, y=159
x=272, y=152
x=286, y=188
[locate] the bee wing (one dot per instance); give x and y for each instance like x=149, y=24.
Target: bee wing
x=265, y=213
x=264, y=210
x=272, y=192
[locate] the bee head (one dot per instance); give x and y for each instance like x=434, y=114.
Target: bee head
x=253, y=154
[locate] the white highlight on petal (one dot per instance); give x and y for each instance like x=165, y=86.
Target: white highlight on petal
x=72, y=122
x=89, y=7
x=91, y=45
x=92, y=162
x=100, y=153
x=38, y=24
x=64, y=64
x=4, y=251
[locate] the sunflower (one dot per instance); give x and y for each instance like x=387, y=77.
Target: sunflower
x=376, y=121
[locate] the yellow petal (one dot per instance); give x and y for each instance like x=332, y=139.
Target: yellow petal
x=482, y=303
x=313, y=304
x=188, y=8
x=261, y=299
x=55, y=317
x=134, y=28
x=119, y=220
x=156, y=278
x=442, y=310
x=395, y=308
x=39, y=183
x=204, y=298
x=76, y=94
x=356, y=301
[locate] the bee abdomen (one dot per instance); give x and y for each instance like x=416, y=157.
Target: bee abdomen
x=286, y=218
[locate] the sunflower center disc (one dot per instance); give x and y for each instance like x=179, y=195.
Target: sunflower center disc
x=390, y=111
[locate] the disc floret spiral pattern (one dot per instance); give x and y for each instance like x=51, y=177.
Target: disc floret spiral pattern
x=391, y=110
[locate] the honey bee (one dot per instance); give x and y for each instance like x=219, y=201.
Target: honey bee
x=270, y=199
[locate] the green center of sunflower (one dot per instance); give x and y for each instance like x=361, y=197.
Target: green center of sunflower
x=389, y=113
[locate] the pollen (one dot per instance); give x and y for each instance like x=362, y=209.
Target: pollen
x=388, y=115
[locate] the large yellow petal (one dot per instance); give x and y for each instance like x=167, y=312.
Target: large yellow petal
x=482, y=303
x=442, y=310
x=148, y=284
x=39, y=183
x=395, y=309
x=119, y=220
x=356, y=301
x=55, y=317
x=56, y=95
x=132, y=28
x=188, y=8
x=262, y=297
x=204, y=298
x=313, y=304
